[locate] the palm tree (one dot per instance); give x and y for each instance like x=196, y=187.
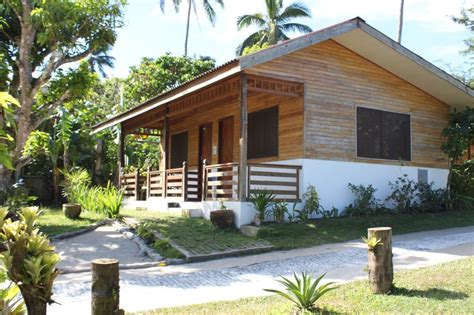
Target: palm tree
x=206, y=4
x=273, y=24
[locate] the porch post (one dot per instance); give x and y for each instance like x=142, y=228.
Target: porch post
x=164, y=156
x=121, y=156
x=243, y=139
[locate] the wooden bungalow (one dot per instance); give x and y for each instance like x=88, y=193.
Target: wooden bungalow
x=345, y=104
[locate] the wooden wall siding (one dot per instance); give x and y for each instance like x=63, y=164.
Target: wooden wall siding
x=290, y=125
x=336, y=81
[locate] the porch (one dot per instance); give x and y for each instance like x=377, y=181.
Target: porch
x=219, y=182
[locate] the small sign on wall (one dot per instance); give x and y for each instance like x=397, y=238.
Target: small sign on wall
x=214, y=150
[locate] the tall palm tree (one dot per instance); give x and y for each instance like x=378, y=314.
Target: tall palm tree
x=206, y=4
x=273, y=24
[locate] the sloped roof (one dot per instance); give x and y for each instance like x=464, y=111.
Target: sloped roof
x=356, y=35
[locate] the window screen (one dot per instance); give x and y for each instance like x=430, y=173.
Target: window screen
x=263, y=133
x=383, y=135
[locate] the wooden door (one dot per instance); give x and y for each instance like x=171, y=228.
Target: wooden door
x=226, y=140
x=205, y=143
x=179, y=149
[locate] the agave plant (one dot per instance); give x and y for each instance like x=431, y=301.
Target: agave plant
x=304, y=291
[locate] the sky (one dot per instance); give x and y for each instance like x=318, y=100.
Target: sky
x=428, y=28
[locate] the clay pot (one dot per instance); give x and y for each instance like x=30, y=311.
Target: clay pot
x=222, y=218
x=72, y=210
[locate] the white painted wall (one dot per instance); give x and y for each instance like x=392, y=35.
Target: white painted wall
x=331, y=179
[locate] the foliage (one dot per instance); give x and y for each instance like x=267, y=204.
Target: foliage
x=261, y=201
x=462, y=183
x=42, y=43
x=365, y=202
x=466, y=19
x=273, y=24
x=29, y=259
x=15, y=197
x=312, y=206
x=7, y=126
x=280, y=209
x=10, y=299
x=110, y=198
x=430, y=199
x=303, y=292
x=403, y=195
x=155, y=76
x=144, y=231
x=372, y=242
x=254, y=48
x=75, y=183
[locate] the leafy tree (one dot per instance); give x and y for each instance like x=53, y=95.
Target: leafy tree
x=206, y=4
x=459, y=136
x=252, y=49
x=467, y=19
x=7, y=125
x=39, y=40
x=273, y=24
x=154, y=76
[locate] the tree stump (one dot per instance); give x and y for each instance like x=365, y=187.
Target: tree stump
x=105, y=287
x=380, y=260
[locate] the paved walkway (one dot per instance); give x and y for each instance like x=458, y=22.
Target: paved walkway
x=234, y=278
x=77, y=252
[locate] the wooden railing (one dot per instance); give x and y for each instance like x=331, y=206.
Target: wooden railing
x=221, y=181
x=215, y=182
x=280, y=179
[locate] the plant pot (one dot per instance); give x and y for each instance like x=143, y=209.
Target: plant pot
x=72, y=210
x=257, y=221
x=222, y=218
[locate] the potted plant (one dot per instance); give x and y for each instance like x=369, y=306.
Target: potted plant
x=75, y=183
x=261, y=201
x=222, y=218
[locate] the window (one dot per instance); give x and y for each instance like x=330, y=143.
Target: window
x=383, y=135
x=263, y=133
x=179, y=149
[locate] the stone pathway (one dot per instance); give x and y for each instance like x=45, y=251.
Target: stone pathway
x=104, y=242
x=234, y=278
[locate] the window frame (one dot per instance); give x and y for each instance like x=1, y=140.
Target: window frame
x=389, y=111
x=277, y=107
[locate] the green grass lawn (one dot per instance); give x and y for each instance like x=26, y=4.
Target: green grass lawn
x=197, y=235
x=53, y=221
x=317, y=232
x=442, y=289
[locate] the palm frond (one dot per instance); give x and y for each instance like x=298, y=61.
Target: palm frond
x=273, y=8
x=295, y=10
x=253, y=39
x=247, y=20
x=296, y=27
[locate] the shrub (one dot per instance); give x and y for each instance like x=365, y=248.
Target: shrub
x=364, y=203
x=15, y=197
x=462, y=185
x=279, y=210
x=261, y=201
x=76, y=181
x=311, y=206
x=303, y=292
x=143, y=230
x=403, y=195
x=29, y=259
x=430, y=199
x=110, y=200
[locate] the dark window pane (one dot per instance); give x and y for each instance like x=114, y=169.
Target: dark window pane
x=383, y=135
x=263, y=133
x=179, y=149
x=369, y=133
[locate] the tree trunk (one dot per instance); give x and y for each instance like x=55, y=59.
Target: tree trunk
x=190, y=2
x=5, y=177
x=448, y=186
x=400, y=22
x=105, y=287
x=34, y=305
x=380, y=260
x=56, y=183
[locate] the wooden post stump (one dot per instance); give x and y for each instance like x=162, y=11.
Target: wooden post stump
x=380, y=260
x=105, y=287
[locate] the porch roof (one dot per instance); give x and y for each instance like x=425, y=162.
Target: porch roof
x=356, y=35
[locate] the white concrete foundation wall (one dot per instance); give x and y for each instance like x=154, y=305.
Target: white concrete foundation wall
x=331, y=179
